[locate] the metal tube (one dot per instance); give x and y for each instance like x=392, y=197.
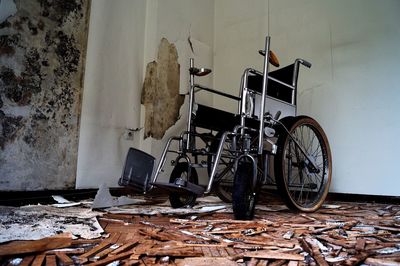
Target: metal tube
x=282, y=83
x=294, y=82
x=191, y=100
x=263, y=95
x=216, y=92
x=243, y=96
x=162, y=159
x=216, y=160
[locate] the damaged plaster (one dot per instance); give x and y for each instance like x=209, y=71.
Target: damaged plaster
x=160, y=94
x=34, y=222
x=7, y=9
x=42, y=49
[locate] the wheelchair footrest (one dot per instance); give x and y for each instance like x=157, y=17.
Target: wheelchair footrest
x=137, y=171
x=181, y=186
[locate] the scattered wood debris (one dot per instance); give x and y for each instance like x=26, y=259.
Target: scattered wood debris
x=338, y=234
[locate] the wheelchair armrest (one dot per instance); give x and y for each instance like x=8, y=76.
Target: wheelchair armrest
x=217, y=92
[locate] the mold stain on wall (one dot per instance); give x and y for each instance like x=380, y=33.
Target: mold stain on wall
x=160, y=94
x=42, y=49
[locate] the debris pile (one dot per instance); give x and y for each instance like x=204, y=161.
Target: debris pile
x=340, y=234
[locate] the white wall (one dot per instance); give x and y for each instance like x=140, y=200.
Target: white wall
x=112, y=88
x=352, y=88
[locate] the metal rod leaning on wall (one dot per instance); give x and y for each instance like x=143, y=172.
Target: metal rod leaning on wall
x=264, y=93
x=191, y=100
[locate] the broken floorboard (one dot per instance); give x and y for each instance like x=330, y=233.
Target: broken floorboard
x=338, y=234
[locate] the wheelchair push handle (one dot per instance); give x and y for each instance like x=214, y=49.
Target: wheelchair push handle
x=304, y=62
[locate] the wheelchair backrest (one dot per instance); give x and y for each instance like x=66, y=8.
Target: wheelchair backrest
x=281, y=91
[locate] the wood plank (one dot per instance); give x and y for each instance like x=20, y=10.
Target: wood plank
x=277, y=263
x=123, y=248
x=230, y=251
x=129, y=262
x=382, y=262
x=27, y=261
x=84, y=257
x=79, y=242
x=68, y=251
x=32, y=246
x=253, y=262
x=387, y=228
x=214, y=252
x=222, y=245
x=343, y=243
x=149, y=261
x=141, y=249
x=51, y=260
x=316, y=253
x=111, y=259
x=307, y=225
x=100, y=247
x=360, y=244
x=206, y=261
x=64, y=259
x=266, y=254
x=223, y=252
x=38, y=261
x=270, y=243
x=356, y=259
x=206, y=251
x=175, y=252
x=104, y=252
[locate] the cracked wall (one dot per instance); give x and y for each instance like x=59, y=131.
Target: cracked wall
x=160, y=94
x=42, y=49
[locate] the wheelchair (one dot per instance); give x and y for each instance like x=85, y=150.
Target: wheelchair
x=264, y=144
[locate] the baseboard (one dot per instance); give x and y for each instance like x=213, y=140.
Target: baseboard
x=19, y=198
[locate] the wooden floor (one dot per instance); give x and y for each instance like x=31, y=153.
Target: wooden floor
x=338, y=234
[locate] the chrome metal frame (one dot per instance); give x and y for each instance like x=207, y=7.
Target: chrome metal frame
x=243, y=150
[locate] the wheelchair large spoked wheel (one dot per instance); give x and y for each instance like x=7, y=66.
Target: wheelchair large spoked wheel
x=223, y=183
x=303, y=187
x=182, y=199
x=244, y=198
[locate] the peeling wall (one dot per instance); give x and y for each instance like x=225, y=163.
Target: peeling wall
x=42, y=49
x=124, y=36
x=191, y=20
x=160, y=94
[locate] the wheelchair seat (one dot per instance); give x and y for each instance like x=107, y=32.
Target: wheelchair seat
x=219, y=120
x=214, y=119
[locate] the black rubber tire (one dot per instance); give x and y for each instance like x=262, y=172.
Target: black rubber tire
x=305, y=189
x=243, y=199
x=188, y=199
x=223, y=184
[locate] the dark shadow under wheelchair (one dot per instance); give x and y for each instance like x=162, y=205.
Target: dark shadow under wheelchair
x=264, y=143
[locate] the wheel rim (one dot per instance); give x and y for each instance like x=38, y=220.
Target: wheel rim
x=306, y=186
